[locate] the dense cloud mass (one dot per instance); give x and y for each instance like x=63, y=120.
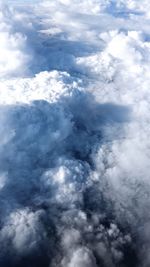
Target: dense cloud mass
x=74, y=135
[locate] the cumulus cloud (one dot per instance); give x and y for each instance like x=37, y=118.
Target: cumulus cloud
x=13, y=46
x=74, y=135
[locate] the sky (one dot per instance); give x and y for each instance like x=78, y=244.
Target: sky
x=74, y=133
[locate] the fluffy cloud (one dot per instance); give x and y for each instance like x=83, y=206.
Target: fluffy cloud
x=74, y=135
x=13, y=46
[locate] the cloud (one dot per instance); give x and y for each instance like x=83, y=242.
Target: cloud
x=74, y=135
x=13, y=46
x=47, y=154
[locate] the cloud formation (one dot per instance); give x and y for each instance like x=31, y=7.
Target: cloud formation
x=74, y=135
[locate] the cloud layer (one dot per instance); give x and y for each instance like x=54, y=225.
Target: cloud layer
x=74, y=135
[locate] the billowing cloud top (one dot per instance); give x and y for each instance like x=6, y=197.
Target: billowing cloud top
x=74, y=135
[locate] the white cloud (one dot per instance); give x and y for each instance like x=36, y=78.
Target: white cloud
x=82, y=257
x=23, y=228
x=74, y=135
x=13, y=46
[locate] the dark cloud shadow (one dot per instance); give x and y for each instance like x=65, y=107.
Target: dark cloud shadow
x=50, y=51
x=57, y=53
x=33, y=138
